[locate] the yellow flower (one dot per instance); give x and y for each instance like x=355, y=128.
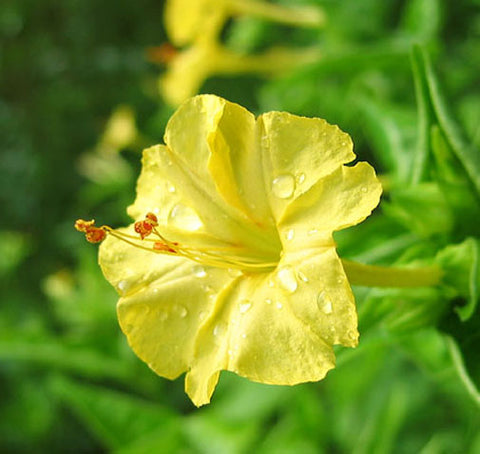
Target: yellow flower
x=189, y=68
x=188, y=21
x=238, y=269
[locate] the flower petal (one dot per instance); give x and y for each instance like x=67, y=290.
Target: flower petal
x=342, y=199
x=164, y=301
x=299, y=152
x=187, y=20
x=277, y=328
x=188, y=161
x=235, y=164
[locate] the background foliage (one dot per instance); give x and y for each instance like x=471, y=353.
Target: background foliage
x=401, y=76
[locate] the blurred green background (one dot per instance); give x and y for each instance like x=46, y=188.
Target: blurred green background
x=68, y=380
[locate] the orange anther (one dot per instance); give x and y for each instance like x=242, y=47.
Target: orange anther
x=144, y=228
x=83, y=226
x=95, y=235
x=152, y=218
x=92, y=234
x=159, y=246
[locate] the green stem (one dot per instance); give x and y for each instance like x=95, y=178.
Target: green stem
x=302, y=16
x=381, y=276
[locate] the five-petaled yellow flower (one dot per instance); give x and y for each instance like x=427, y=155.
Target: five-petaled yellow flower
x=237, y=269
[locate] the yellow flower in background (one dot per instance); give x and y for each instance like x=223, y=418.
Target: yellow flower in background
x=188, y=69
x=188, y=21
x=197, y=24
x=237, y=269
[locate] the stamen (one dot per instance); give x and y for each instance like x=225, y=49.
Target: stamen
x=221, y=257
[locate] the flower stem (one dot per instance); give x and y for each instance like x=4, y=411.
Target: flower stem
x=383, y=276
x=302, y=16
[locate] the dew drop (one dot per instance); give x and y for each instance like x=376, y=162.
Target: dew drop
x=123, y=286
x=312, y=232
x=181, y=311
x=289, y=234
x=300, y=178
x=202, y=315
x=128, y=328
x=271, y=283
x=219, y=329
x=283, y=186
x=244, y=336
x=302, y=276
x=279, y=305
x=364, y=190
x=340, y=280
x=233, y=272
x=287, y=280
x=162, y=315
x=324, y=303
x=184, y=218
x=244, y=306
x=199, y=271
x=268, y=300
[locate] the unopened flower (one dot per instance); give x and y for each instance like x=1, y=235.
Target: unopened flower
x=239, y=270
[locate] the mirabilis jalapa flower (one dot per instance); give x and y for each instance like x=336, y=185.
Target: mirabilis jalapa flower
x=231, y=264
x=195, y=26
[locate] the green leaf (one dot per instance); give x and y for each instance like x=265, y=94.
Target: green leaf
x=425, y=117
x=466, y=152
x=117, y=419
x=460, y=263
x=422, y=209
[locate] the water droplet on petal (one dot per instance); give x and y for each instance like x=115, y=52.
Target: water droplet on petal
x=244, y=306
x=286, y=279
x=233, y=272
x=364, y=190
x=283, y=186
x=181, y=311
x=340, y=280
x=302, y=276
x=289, y=234
x=128, y=328
x=202, y=315
x=312, y=232
x=219, y=329
x=184, y=218
x=324, y=303
x=171, y=188
x=162, y=315
x=268, y=300
x=244, y=335
x=279, y=305
x=199, y=271
x=123, y=286
x=300, y=178
x=271, y=283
